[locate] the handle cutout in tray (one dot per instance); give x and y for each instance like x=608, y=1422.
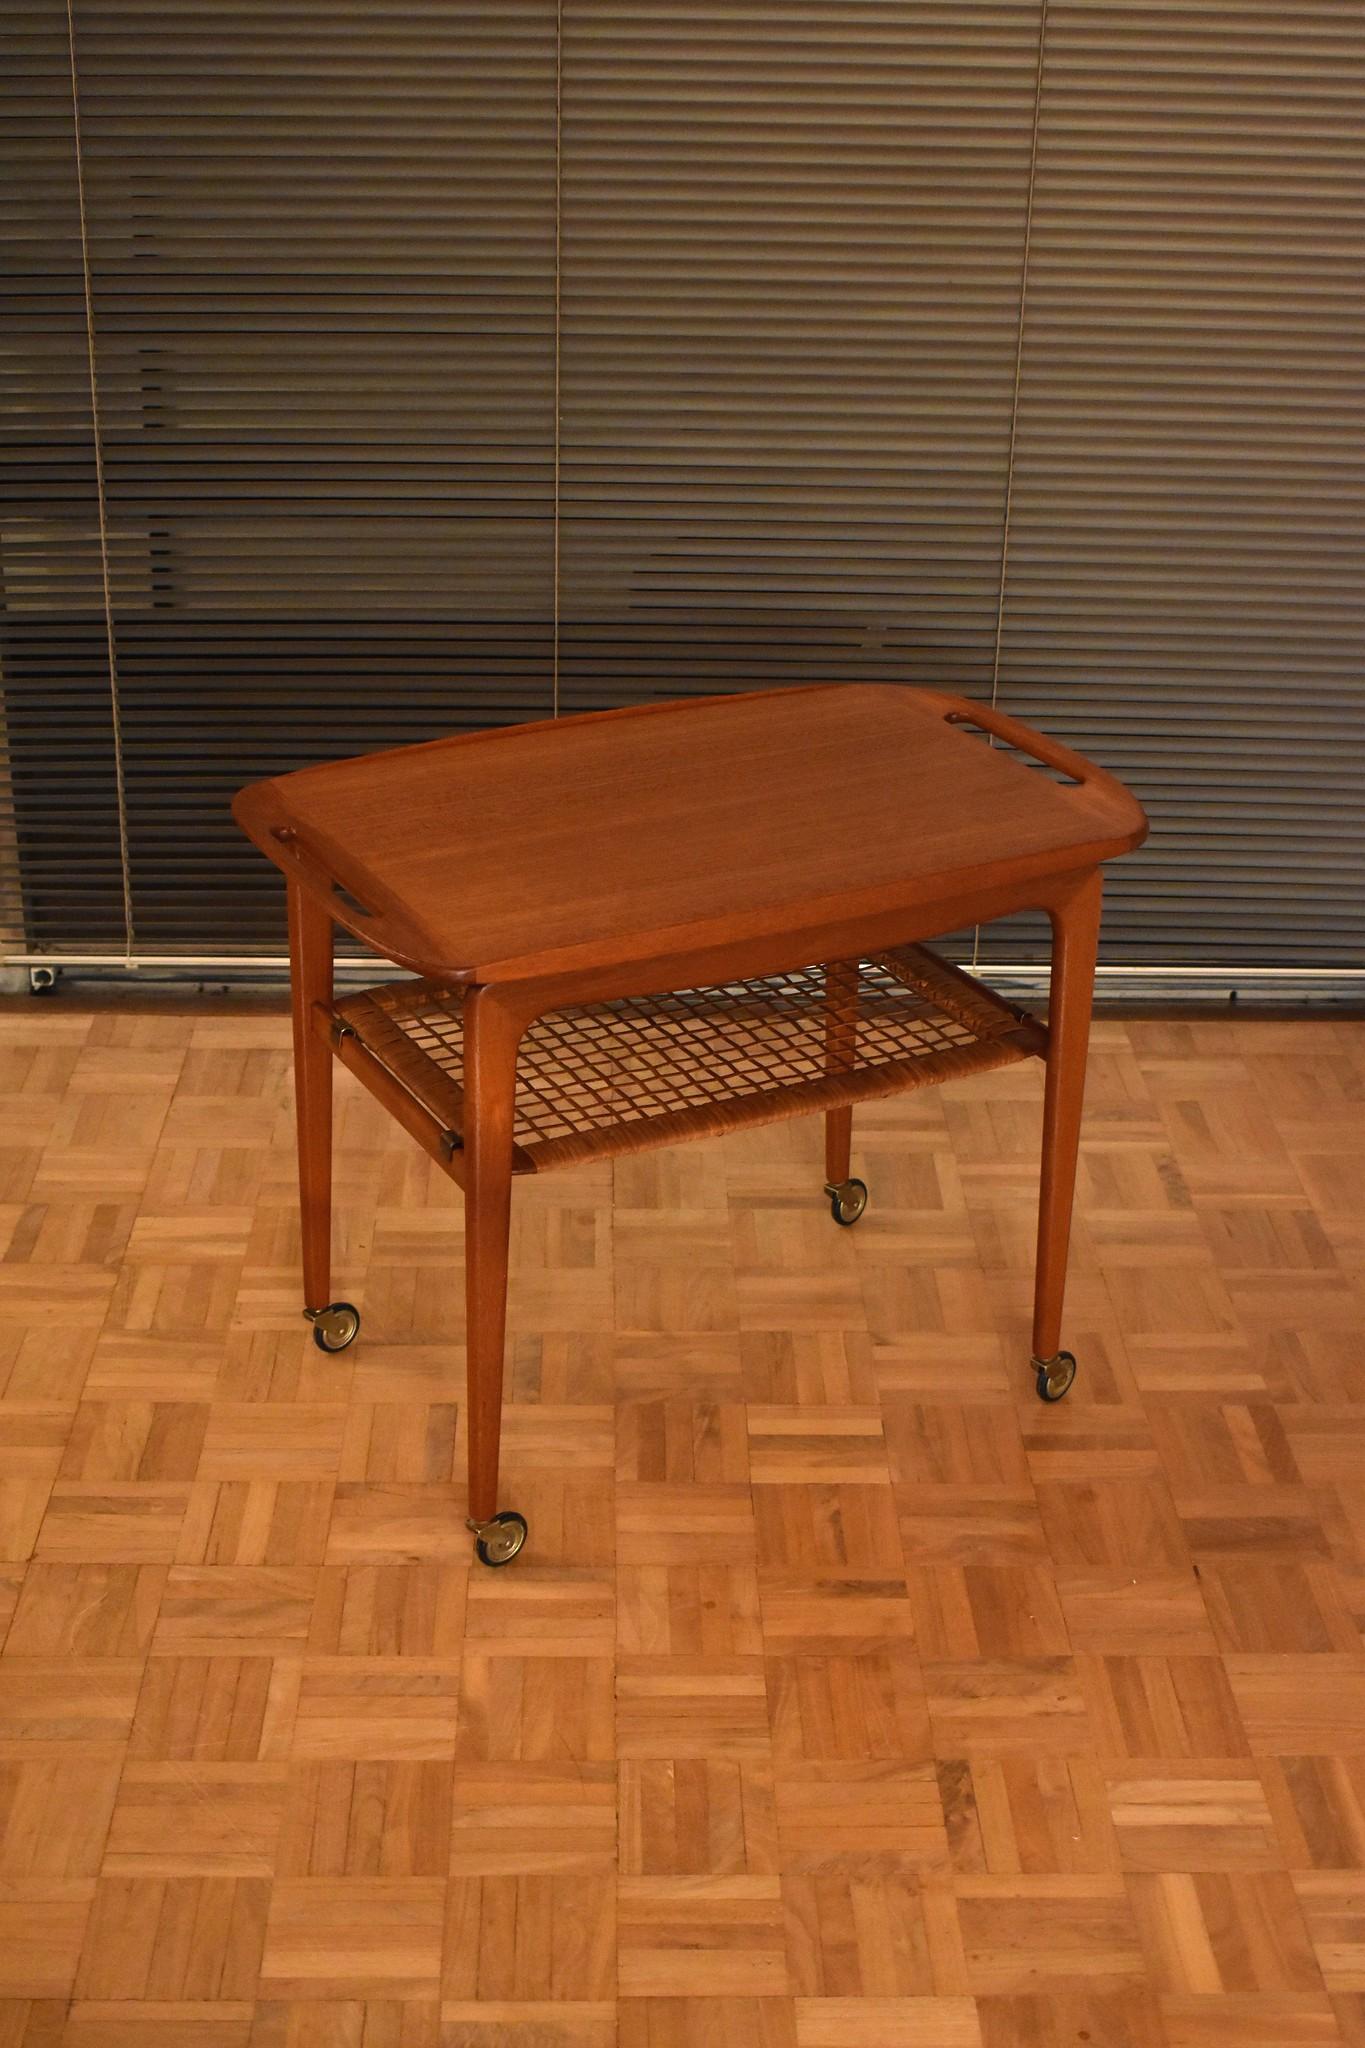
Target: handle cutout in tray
x=1020, y=754
x=350, y=902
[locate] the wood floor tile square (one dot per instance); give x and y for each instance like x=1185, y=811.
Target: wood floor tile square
x=1007, y=1707
x=809, y=1368
x=569, y=1367
x=256, y=1521
x=1089, y=1441
x=70, y=1297
x=1300, y=1705
x=551, y=1819
x=709, y=1610
x=353, y=1938
x=860, y=1817
x=43, y=1366
x=677, y=1442
x=1333, y=1909
x=86, y=1610
x=811, y=1614
x=1066, y=2014
x=181, y=1938
x=824, y=1299
x=986, y=1611
x=1090, y=1937
x=1162, y=1707
x=1278, y=1604
x=969, y=1525
x=701, y=1936
x=399, y=1708
x=1033, y=1815
x=1207, y=1443
x=374, y=1522
x=808, y=1446
x=871, y=1935
x=234, y=1610
x=196, y=1820
x=272, y=1440
x=365, y=1819
x=933, y=1444
x=536, y=1709
x=122, y=1523
x=691, y=1707
x=567, y=1436
x=266, y=1365
x=1262, y=1521
x=42, y=1924
x=390, y=1607
x=687, y=1524
x=401, y=1442
x=685, y=1363
x=1319, y=1807
x=545, y=1610
x=865, y=1704
x=1223, y=1931
x=55, y=1708
x=697, y=1817
x=23, y=1506
x=674, y=1274
x=1104, y=1525
x=536, y=1937
x=214, y=1710
x=1191, y=1817
x=54, y=1816
x=1124, y=1613
x=846, y=1526
x=134, y=1440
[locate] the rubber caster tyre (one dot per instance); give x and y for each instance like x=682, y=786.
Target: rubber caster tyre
x=335, y=1326
x=497, y=1542
x=1055, y=1376
x=847, y=1201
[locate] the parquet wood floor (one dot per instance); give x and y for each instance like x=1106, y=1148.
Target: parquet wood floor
x=846, y=1697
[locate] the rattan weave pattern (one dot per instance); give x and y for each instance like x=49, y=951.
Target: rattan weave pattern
x=643, y=1070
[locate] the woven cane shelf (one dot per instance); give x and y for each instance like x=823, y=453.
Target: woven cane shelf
x=641, y=1071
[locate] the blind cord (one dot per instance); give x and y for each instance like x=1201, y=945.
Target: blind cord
x=101, y=509
x=559, y=242
x=1014, y=393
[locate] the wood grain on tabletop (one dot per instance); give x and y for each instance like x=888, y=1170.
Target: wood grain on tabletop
x=566, y=845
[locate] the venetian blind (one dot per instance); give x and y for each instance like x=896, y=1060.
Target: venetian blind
x=321, y=245
x=457, y=363
x=1185, y=596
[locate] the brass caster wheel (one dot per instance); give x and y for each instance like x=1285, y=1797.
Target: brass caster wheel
x=847, y=1200
x=498, y=1541
x=335, y=1326
x=1054, y=1376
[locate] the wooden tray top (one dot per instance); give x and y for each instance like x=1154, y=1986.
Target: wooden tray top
x=631, y=836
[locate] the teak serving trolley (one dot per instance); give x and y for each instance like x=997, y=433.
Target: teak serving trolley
x=614, y=920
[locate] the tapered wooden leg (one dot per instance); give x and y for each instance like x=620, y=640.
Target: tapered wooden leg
x=841, y=1031
x=1075, y=939
x=490, y=1047
x=310, y=975
x=838, y=1144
